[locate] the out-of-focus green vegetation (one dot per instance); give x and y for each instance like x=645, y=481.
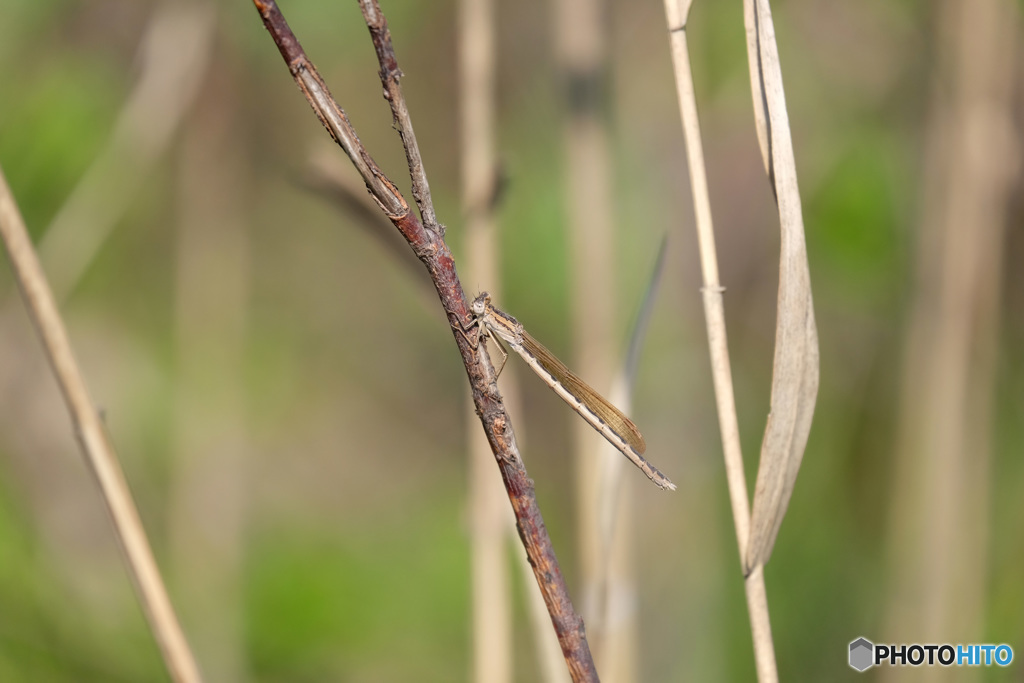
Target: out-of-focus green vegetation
x=348, y=560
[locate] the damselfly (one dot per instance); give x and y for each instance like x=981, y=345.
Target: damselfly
x=592, y=407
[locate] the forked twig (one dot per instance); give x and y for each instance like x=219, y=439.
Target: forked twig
x=92, y=437
x=389, y=75
x=430, y=247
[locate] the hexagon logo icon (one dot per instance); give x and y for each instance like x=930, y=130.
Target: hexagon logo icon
x=862, y=654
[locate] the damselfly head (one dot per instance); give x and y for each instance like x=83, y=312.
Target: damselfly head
x=480, y=303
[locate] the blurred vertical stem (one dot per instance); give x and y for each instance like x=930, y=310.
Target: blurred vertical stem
x=489, y=519
x=939, y=513
x=92, y=437
x=588, y=191
x=207, y=498
x=676, y=12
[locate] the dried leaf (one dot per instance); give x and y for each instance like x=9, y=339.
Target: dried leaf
x=757, y=86
x=795, y=372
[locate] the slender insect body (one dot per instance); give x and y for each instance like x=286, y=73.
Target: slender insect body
x=591, y=406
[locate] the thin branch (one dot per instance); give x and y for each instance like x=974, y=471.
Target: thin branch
x=334, y=118
x=92, y=438
x=389, y=77
x=432, y=250
x=676, y=12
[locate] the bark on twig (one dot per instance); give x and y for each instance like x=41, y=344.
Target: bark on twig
x=389, y=76
x=92, y=437
x=432, y=250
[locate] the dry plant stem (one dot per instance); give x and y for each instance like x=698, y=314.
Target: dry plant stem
x=432, y=250
x=714, y=309
x=389, y=77
x=92, y=437
x=587, y=189
x=714, y=312
x=940, y=545
x=207, y=512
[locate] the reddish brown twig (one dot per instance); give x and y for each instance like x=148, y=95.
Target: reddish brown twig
x=432, y=250
x=389, y=75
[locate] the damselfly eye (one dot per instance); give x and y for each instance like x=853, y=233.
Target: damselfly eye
x=480, y=303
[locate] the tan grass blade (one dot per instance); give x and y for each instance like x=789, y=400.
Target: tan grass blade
x=795, y=372
x=613, y=597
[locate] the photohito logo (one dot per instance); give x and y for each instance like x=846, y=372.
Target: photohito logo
x=864, y=654
x=861, y=654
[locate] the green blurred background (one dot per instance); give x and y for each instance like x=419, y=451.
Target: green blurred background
x=290, y=410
